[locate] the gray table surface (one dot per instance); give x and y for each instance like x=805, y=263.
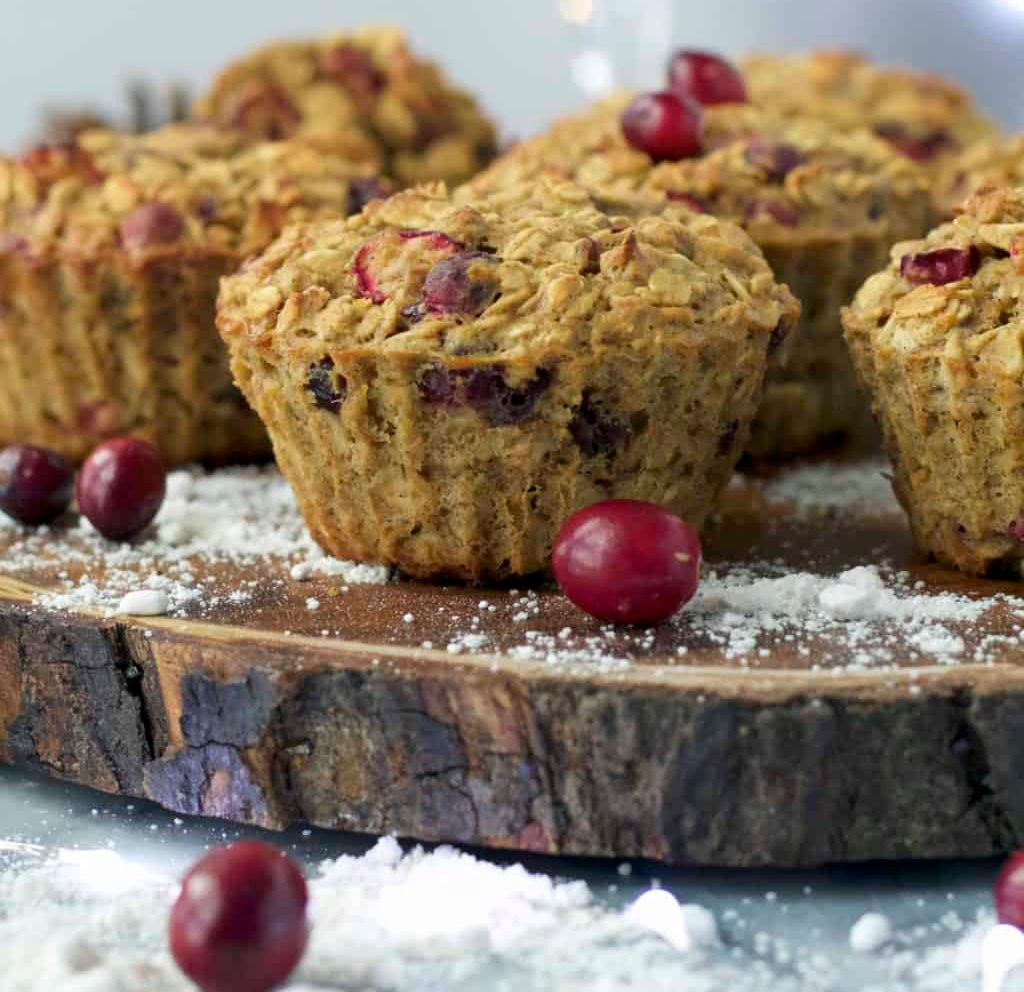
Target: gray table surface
x=809, y=913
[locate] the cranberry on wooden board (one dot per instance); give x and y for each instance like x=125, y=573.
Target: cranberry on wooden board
x=940, y=266
x=708, y=78
x=35, y=484
x=120, y=487
x=666, y=126
x=1009, y=891
x=239, y=922
x=627, y=561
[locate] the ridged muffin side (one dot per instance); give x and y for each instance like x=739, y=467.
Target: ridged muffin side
x=445, y=383
x=945, y=367
x=111, y=251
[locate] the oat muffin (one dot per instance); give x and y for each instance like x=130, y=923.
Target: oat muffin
x=824, y=206
x=111, y=249
x=446, y=383
x=923, y=116
x=364, y=86
x=938, y=340
x=992, y=162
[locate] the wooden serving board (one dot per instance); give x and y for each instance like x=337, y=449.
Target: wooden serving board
x=786, y=758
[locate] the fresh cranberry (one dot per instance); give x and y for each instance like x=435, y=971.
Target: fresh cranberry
x=264, y=110
x=484, y=390
x=35, y=484
x=120, y=487
x=697, y=204
x=664, y=125
x=363, y=189
x=153, y=223
x=627, y=561
x=1009, y=891
x=918, y=149
x=239, y=922
x=595, y=431
x=775, y=159
x=940, y=266
x=450, y=287
x=327, y=386
x=707, y=78
x=381, y=255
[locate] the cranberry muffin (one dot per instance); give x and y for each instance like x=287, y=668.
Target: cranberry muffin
x=111, y=250
x=824, y=206
x=445, y=383
x=989, y=163
x=361, y=89
x=937, y=339
x=921, y=115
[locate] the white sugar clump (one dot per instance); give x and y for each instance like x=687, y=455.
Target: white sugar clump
x=870, y=933
x=144, y=603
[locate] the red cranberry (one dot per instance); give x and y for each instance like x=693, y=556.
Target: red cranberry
x=327, y=386
x=388, y=243
x=918, y=149
x=239, y=922
x=940, y=266
x=363, y=189
x=353, y=67
x=120, y=487
x=627, y=561
x=706, y=78
x=1016, y=528
x=781, y=213
x=35, y=484
x=1009, y=891
x=775, y=159
x=485, y=390
x=697, y=204
x=449, y=287
x=664, y=125
x=153, y=223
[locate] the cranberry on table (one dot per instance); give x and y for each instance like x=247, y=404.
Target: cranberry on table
x=1009, y=891
x=627, y=561
x=708, y=78
x=120, y=487
x=940, y=266
x=666, y=126
x=35, y=484
x=239, y=923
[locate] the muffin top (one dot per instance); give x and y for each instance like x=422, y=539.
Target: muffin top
x=181, y=189
x=992, y=162
x=788, y=179
x=924, y=116
x=960, y=287
x=365, y=83
x=534, y=272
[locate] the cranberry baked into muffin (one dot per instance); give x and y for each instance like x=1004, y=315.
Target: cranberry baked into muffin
x=445, y=383
x=921, y=115
x=111, y=249
x=363, y=88
x=938, y=338
x=824, y=205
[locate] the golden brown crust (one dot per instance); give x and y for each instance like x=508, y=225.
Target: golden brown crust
x=598, y=357
x=945, y=366
x=365, y=85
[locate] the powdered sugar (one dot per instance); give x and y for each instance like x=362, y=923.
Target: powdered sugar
x=863, y=486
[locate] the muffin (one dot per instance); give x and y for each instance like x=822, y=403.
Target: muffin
x=923, y=116
x=361, y=88
x=824, y=205
x=937, y=339
x=988, y=163
x=111, y=250
x=445, y=383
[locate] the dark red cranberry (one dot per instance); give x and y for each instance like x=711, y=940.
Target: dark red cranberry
x=595, y=431
x=153, y=223
x=354, y=68
x=706, y=78
x=918, y=149
x=665, y=126
x=120, y=487
x=264, y=110
x=627, y=561
x=776, y=159
x=781, y=213
x=697, y=204
x=35, y=484
x=365, y=269
x=206, y=208
x=327, y=386
x=727, y=439
x=484, y=390
x=451, y=288
x=940, y=266
x=363, y=189
x=1009, y=891
x=239, y=922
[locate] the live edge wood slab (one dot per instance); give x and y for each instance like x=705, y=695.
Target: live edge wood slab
x=250, y=714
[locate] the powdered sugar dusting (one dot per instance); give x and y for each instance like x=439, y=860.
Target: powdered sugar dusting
x=864, y=486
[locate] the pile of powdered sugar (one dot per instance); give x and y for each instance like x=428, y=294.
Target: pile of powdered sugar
x=863, y=485
x=447, y=920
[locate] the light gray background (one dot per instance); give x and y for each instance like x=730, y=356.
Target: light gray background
x=514, y=53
